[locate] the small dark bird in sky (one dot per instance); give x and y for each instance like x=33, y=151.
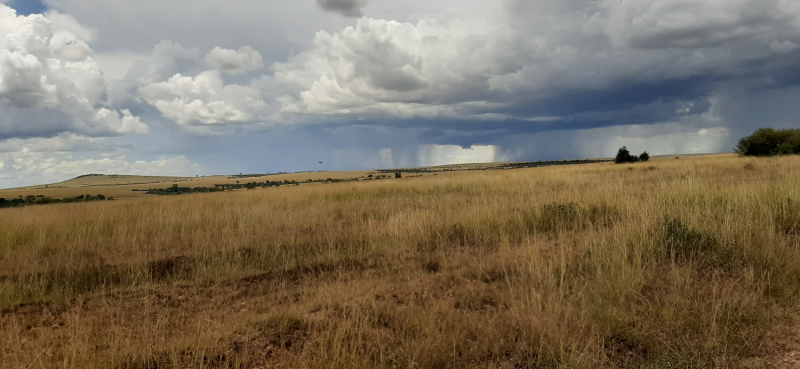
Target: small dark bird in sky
x=320, y=162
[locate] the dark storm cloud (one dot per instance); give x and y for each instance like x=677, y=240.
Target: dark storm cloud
x=347, y=8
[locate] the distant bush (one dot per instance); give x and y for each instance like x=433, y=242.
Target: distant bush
x=176, y=190
x=770, y=142
x=42, y=200
x=624, y=156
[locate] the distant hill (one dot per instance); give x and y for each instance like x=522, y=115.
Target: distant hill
x=91, y=180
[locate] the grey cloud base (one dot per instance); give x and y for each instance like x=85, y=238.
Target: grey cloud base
x=347, y=8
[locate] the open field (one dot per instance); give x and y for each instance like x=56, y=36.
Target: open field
x=127, y=186
x=666, y=264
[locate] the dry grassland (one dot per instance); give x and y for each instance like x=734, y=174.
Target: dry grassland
x=668, y=264
x=121, y=187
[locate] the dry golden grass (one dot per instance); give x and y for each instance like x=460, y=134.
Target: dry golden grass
x=667, y=264
x=121, y=187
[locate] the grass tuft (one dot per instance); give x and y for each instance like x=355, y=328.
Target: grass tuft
x=787, y=217
x=681, y=242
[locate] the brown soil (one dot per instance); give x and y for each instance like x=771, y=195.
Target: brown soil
x=784, y=348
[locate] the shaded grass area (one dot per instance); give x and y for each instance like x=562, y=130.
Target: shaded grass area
x=689, y=265
x=65, y=281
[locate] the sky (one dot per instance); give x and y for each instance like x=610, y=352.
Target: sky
x=202, y=87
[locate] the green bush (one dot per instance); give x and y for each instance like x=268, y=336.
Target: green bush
x=770, y=142
x=43, y=200
x=624, y=156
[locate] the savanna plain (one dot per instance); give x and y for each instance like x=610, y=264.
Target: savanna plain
x=672, y=263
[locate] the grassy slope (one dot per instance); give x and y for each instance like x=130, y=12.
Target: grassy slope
x=673, y=263
x=123, y=186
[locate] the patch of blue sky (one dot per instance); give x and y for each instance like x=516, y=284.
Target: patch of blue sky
x=28, y=7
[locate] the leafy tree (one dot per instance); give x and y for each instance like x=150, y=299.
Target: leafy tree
x=644, y=157
x=785, y=148
x=770, y=142
x=624, y=156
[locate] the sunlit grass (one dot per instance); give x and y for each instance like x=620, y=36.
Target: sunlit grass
x=671, y=263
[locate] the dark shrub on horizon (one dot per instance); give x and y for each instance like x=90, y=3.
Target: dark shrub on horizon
x=624, y=156
x=43, y=200
x=770, y=142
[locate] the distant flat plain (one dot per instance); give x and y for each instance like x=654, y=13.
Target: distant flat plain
x=122, y=186
x=690, y=263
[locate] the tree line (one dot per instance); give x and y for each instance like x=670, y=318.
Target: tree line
x=763, y=142
x=770, y=142
x=43, y=200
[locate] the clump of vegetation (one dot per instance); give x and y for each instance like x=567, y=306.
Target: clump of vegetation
x=682, y=242
x=787, y=217
x=516, y=165
x=572, y=216
x=548, y=163
x=176, y=190
x=457, y=236
x=431, y=265
x=770, y=142
x=624, y=156
x=282, y=331
x=43, y=200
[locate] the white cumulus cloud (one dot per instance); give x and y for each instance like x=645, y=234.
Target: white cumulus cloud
x=48, y=82
x=166, y=60
x=204, y=99
x=403, y=69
